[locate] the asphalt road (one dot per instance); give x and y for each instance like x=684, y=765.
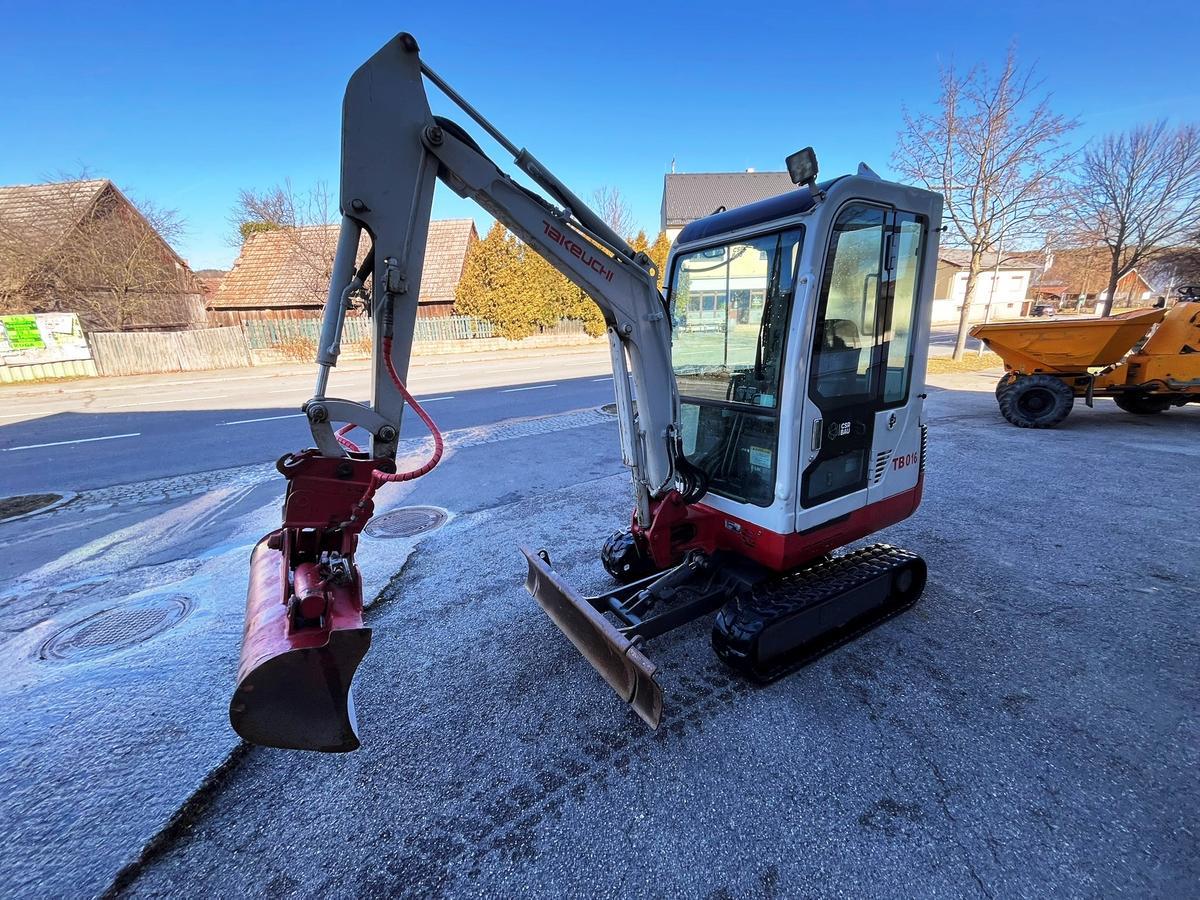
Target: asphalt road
x=1030, y=729
x=94, y=433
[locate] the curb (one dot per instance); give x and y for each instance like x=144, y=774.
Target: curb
x=67, y=497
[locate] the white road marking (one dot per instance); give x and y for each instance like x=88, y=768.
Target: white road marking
x=609, y=378
x=432, y=399
x=107, y=437
x=532, y=387
x=126, y=387
x=263, y=419
x=175, y=400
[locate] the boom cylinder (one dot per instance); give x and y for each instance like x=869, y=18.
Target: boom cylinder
x=340, y=282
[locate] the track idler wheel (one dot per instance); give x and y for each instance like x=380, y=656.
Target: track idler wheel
x=625, y=558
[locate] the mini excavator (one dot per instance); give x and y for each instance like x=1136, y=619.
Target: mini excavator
x=770, y=411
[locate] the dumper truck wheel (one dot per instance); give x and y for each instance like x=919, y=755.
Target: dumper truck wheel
x=1003, y=384
x=1036, y=401
x=1142, y=404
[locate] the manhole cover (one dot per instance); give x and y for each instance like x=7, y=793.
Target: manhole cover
x=408, y=521
x=23, y=504
x=115, y=629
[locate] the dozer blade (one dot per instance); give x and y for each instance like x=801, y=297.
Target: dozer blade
x=293, y=685
x=614, y=656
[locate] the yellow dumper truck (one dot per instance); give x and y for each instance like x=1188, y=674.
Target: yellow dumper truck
x=1146, y=360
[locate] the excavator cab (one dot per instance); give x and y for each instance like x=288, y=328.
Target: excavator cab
x=778, y=414
x=799, y=333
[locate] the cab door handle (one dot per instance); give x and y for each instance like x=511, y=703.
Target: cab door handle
x=818, y=424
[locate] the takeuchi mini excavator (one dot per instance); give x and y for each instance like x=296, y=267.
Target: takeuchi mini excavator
x=770, y=410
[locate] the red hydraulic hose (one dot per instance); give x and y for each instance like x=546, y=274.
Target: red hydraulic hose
x=341, y=433
x=378, y=477
x=436, y=456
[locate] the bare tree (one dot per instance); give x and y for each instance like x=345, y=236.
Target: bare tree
x=94, y=252
x=996, y=152
x=304, y=221
x=612, y=207
x=1137, y=194
x=1172, y=269
x=281, y=206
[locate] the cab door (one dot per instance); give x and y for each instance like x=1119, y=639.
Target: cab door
x=860, y=422
x=843, y=389
x=896, y=452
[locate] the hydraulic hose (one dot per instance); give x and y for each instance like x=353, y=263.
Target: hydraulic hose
x=379, y=477
x=384, y=477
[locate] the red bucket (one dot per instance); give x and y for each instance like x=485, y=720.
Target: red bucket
x=293, y=682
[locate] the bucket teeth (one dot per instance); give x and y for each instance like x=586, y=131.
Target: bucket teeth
x=622, y=665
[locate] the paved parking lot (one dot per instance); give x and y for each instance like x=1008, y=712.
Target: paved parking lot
x=1029, y=729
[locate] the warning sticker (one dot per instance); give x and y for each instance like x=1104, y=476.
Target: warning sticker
x=760, y=458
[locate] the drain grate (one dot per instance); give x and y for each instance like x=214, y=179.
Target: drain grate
x=116, y=629
x=406, y=522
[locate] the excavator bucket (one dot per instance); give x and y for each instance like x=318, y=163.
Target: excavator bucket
x=293, y=683
x=614, y=656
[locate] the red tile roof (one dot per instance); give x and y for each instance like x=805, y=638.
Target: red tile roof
x=289, y=267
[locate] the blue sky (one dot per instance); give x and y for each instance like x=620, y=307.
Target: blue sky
x=184, y=106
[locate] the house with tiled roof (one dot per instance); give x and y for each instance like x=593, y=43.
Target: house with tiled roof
x=82, y=247
x=694, y=195
x=1078, y=277
x=283, y=273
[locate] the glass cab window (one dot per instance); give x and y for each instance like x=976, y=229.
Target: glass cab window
x=862, y=353
x=729, y=312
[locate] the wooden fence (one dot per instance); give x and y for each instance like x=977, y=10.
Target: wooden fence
x=144, y=353
x=263, y=334
x=264, y=341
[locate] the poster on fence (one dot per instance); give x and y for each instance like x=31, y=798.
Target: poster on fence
x=42, y=338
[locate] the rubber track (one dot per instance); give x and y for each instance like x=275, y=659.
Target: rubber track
x=778, y=598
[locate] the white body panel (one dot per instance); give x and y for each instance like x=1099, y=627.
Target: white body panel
x=899, y=444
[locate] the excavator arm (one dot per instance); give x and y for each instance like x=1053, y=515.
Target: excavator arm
x=392, y=147
x=304, y=633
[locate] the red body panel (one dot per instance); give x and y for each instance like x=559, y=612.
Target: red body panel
x=677, y=528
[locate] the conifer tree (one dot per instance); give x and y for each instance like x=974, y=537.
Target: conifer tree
x=658, y=252
x=490, y=285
